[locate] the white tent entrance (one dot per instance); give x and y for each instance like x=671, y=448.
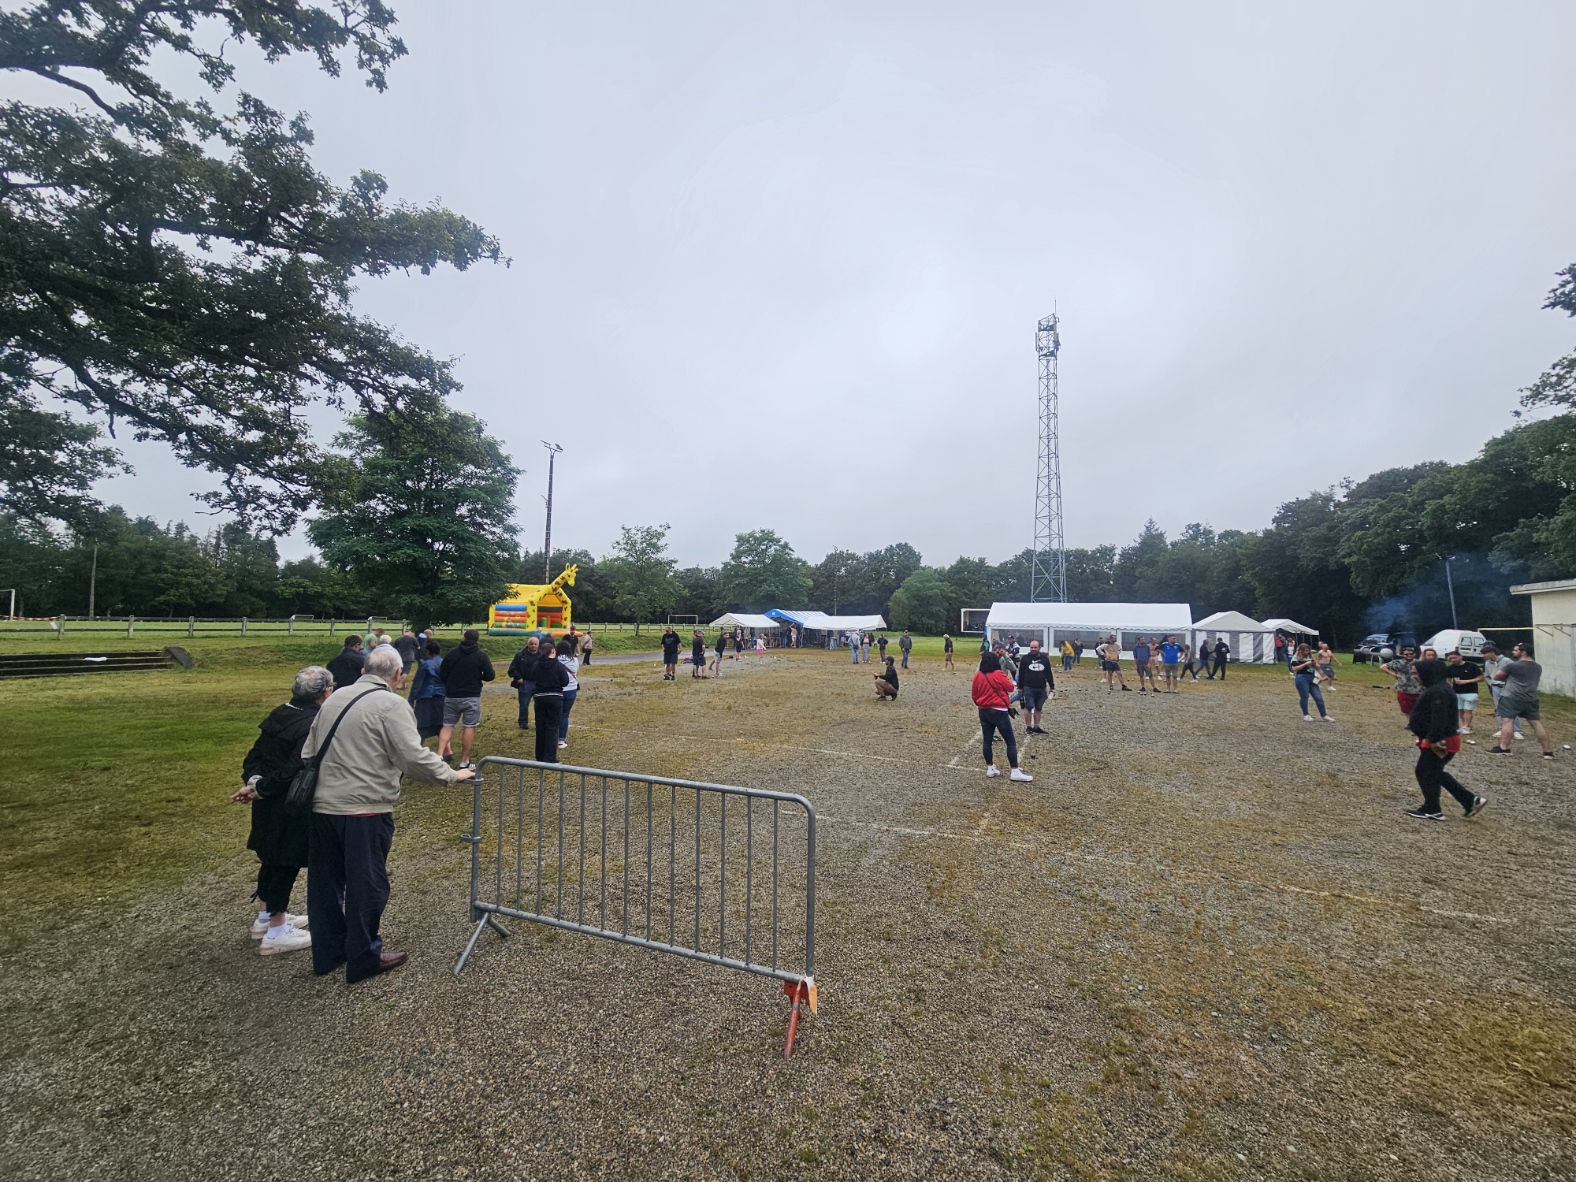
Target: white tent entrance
x=1247, y=638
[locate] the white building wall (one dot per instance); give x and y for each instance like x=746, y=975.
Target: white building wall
x=1554, y=639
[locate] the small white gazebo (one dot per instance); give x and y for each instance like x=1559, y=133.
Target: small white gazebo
x=1281, y=624
x=1247, y=638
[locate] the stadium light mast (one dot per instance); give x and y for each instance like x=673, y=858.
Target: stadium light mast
x=1048, y=569
x=547, y=543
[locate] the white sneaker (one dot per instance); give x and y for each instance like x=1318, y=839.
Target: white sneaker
x=1519, y=735
x=562, y=744
x=993, y=770
x=1021, y=776
x=284, y=939
x=260, y=926
x=1307, y=718
x=1327, y=718
x=1466, y=730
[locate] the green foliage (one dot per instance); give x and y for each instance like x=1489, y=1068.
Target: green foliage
x=641, y=574
x=923, y=603
x=187, y=272
x=48, y=463
x=763, y=572
x=424, y=526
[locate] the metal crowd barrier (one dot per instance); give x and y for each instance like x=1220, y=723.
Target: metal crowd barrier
x=598, y=852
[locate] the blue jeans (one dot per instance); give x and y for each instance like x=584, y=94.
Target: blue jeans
x=855, y=651
x=905, y=658
x=1307, y=685
x=563, y=720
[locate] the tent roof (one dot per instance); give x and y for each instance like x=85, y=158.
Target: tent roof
x=744, y=620
x=1231, y=622
x=1281, y=624
x=1163, y=617
x=821, y=622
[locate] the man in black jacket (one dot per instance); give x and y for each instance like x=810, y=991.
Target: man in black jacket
x=464, y=668
x=698, y=655
x=547, y=679
x=346, y=667
x=1222, y=655
x=280, y=839
x=670, y=654
x=1433, y=721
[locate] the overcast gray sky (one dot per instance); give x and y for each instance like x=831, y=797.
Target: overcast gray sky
x=781, y=266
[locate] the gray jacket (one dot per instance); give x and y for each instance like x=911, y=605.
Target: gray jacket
x=375, y=747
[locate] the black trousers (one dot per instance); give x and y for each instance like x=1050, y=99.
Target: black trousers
x=1432, y=776
x=347, y=888
x=549, y=710
x=274, y=884
x=1000, y=721
x=1220, y=668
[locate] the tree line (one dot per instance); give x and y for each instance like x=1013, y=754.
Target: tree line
x=184, y=272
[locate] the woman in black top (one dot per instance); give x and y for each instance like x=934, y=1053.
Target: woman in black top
x=548, y=677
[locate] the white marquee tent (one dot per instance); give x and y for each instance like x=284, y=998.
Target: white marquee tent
x=1248, y=639
x=745, y=620
x=1051, y=623
x=821, y=622
x=1282, y=624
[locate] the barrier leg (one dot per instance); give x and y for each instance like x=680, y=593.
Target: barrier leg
x=798, y=993
x=487, y=921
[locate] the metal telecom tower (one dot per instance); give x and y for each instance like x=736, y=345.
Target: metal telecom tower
x=1048, y=572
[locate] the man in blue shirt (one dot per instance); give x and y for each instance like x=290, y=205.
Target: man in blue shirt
x=1170, y=655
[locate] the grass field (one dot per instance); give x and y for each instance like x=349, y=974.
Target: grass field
x=1205, y=943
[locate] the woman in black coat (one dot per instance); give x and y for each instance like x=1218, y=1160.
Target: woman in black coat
x=1433, y=721
x=279, y=838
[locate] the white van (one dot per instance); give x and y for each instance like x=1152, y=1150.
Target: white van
x=1470, y=643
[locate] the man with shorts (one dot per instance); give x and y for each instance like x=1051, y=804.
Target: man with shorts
x=1110, y=654
x=946, y=650
x=464, y=668
x=1170, y=657
x=1518, y=698
x=1407, y=687
x=698, y=656
x=1141, y=654
x=1035, y=682
x=1493, y=662
x=670, y=654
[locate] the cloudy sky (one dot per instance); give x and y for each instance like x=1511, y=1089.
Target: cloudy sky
x=780, y=266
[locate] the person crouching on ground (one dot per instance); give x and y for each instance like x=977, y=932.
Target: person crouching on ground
x=886, y=681
x=522, y=676
x=373, y=744
x=279, y=838
x=1433, y=721
x=991, y=691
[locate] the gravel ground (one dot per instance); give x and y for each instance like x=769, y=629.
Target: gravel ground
x=1205, y=943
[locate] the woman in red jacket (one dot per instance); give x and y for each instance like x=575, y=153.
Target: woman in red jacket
x=992, y=690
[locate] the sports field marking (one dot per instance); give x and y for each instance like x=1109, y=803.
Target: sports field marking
x=1029, y=847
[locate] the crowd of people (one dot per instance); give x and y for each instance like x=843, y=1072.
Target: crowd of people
x=348, y=725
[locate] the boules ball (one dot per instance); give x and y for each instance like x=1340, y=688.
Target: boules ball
x=1387, y=653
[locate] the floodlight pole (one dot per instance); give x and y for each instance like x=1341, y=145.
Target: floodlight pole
x=93, y=581
x=547, y=544
x=1451, y=587
x=1048, y=567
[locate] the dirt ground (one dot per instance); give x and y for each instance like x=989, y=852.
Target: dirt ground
x=1204, y=943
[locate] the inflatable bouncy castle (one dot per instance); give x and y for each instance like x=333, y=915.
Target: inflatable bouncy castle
x=534, y=607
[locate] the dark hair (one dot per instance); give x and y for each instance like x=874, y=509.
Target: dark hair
x=434, y=649
x=990, y=663
x=1490, y=647
x=352, y=641
x=889, y=660
x=566, y=647
x=472, y=634
x=1525, y=646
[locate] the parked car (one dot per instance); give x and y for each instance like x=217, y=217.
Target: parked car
x=1470, y=643
x=1368, y=648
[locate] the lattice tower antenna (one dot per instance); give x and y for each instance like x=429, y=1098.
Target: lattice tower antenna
x=1048, y=571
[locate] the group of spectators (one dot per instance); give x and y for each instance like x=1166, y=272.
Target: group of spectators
x=349, y=722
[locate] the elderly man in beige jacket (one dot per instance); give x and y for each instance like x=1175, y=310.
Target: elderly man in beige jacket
x=353, y=815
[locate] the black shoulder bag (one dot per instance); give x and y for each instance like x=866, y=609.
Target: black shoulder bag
x=303, y=787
